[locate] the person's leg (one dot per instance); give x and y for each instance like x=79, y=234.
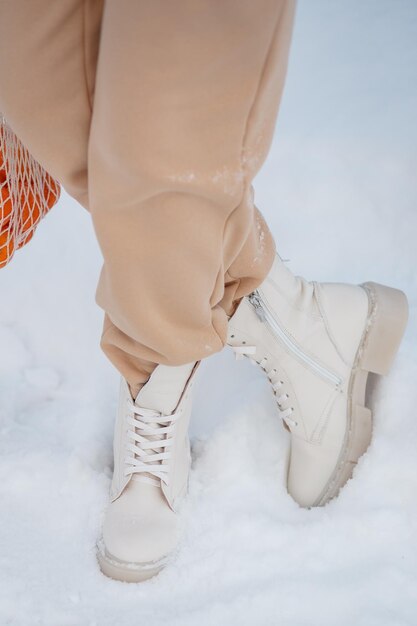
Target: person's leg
x=184, y=108
x=48, y=59
x=183, y=117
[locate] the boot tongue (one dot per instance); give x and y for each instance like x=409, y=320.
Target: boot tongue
x=162, y=393
x=164, y=388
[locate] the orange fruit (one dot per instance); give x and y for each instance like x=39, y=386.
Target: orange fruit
x=5, y=204
x=18, y=223
x=6, y=248
x=3, y=176
x=30, y=212
x=51, y=192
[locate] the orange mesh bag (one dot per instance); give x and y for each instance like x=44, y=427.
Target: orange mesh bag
x=27, y=193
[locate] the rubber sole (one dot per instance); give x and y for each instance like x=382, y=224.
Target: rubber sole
x=124, y=571
x=386, y=323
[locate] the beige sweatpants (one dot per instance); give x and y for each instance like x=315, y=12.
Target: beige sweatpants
x=155, y=115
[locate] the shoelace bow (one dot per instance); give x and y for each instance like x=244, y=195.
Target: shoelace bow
x=149, y=439
x=284, y=412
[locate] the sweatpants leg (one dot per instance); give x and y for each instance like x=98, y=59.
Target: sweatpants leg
x=186, y=98
x=48, y=60
x=160, y=139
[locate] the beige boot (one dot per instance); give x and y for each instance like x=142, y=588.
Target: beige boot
x=151, y=466
x=317, y=342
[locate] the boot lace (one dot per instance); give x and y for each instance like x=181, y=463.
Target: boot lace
x=282, y=399
x=150, y=437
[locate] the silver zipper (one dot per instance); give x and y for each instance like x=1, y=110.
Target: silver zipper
x=266, y=316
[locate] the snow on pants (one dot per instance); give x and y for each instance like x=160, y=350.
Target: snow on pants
x=155, y=115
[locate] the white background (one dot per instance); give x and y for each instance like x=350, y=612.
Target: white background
x=339, y=191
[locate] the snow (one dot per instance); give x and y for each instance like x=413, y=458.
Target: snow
x=339, y=191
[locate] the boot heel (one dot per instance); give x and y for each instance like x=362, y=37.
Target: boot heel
x=387, y=322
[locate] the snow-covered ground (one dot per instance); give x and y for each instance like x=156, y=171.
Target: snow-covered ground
x=340, y=193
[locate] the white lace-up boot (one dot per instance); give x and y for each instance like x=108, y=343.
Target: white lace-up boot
x=317, y=342
x=151, y=466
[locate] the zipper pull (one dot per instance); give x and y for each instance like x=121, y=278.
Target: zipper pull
x=255, y=300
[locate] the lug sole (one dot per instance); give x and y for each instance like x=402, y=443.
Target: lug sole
x=386, y=323
x=126, y=572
